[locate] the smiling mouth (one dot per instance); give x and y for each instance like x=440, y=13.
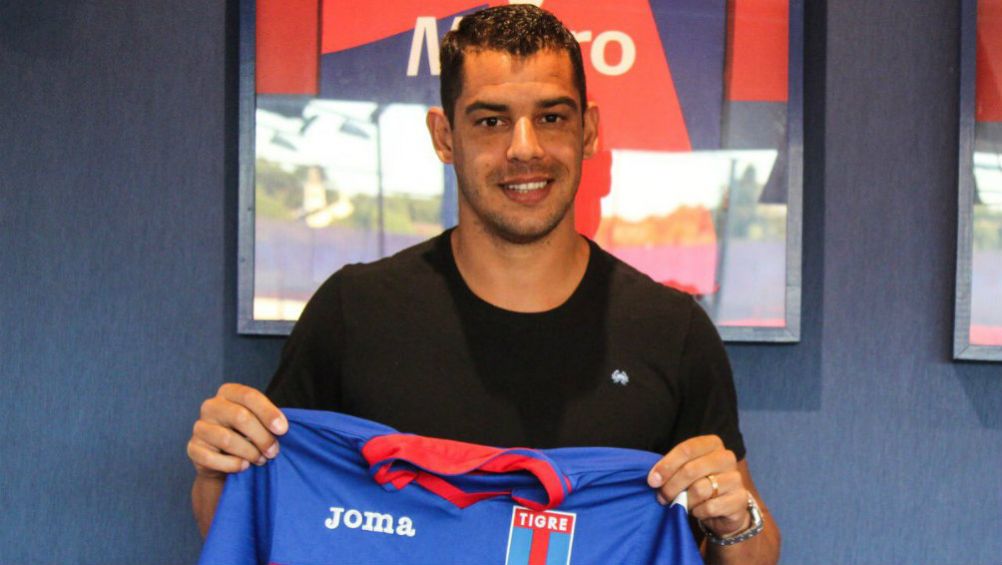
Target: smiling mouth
x=524, y=187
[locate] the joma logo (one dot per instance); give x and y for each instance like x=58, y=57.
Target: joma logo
x=370, y=522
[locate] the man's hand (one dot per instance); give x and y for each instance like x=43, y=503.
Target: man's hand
x=235, y=428
x=717, y=494
x=695, y=465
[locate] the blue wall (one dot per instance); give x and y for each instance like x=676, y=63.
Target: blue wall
x=117, y=290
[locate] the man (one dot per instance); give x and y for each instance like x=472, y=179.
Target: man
x=511, y=329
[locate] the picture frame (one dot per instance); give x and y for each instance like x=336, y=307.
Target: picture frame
x=978, y=301
x=723, y=222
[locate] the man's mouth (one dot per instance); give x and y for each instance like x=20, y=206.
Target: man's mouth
x=527, y=192
x=524, y=187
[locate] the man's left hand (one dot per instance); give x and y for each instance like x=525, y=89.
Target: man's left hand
x=709, y=472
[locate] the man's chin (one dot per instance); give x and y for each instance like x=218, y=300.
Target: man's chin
x=522, y=234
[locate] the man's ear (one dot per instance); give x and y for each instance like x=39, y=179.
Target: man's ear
x=441, y=134
x=590, y=130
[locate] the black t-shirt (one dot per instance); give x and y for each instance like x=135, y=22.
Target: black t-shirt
x=624, y=362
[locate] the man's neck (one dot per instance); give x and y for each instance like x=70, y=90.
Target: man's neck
x=532, y=277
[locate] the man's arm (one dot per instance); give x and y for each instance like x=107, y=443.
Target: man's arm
x=236, y=428
x=723, y=510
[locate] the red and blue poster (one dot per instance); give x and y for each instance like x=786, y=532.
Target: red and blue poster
x=691, y=183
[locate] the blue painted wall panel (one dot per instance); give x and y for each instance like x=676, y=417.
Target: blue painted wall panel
x=117, y=290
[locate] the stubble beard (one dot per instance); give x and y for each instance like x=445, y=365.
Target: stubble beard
x=508, y=227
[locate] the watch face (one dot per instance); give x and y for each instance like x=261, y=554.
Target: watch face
x=756, y=514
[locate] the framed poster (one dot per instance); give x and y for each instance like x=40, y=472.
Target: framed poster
x=697, y=182
x=978, y=323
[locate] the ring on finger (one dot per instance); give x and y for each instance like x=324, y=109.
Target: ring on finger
x=714, y=485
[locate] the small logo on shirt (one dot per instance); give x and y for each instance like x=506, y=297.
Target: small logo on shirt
x=620, y=377
x=540, y=538
x=370, y=522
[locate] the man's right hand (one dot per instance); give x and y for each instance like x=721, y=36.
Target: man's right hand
x=235, y=428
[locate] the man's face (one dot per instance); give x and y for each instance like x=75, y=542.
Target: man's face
x=517, y=140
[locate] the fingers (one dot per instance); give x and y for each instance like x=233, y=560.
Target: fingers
x=682, y=454
x=210, y=462
x=235, y=429
x=236, y=418
x=229, y=442
x=724, y=515
x=258, y=404
x=689, y=467
x=691, y=461
x=701, y=491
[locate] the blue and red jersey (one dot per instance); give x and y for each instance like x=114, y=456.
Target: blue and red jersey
x=348, y=490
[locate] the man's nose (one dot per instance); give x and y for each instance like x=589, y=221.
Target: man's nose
x=524, y=142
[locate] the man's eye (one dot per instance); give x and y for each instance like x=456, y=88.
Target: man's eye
x=552, y=118
x=490, y=122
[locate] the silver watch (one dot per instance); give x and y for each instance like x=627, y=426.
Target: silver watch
x=756, y=527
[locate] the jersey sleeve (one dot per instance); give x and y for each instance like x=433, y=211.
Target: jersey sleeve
x=308, y=374
x=709, y=402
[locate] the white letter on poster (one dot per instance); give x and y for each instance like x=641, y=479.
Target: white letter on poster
x=425, y=29
x=598, y=53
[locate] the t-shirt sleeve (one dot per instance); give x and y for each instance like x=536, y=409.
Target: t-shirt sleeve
x=709, y=402
x=309, y=373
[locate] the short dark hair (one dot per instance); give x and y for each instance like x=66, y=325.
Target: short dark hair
x=517, y=29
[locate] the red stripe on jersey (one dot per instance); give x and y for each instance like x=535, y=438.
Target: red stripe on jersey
x=540, y=546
